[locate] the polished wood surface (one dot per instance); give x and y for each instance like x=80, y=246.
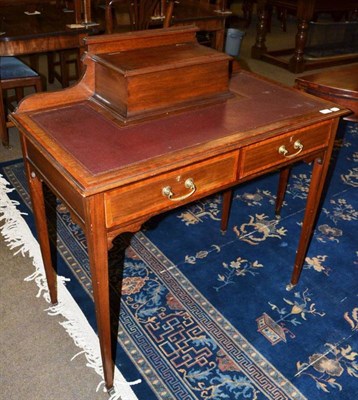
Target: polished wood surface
x=4, y=3
x=81, y=8
x=113, y=177
x=339, y=86
x=37, y=33
x=304, y=11
x=156, y=79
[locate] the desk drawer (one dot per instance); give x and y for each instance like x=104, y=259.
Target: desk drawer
x=279, y=150
x=146, y=197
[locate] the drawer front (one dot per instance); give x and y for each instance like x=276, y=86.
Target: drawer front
x=146, y=197
x=286, y=147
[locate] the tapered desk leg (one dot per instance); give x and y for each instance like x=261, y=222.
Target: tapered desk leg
x=319, y=173
x=282, y=186
x=4, y=134
x=39, y=210
x=98, y=257
x=227, y=200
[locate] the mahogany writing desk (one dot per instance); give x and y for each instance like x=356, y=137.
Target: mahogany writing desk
x=115, y=173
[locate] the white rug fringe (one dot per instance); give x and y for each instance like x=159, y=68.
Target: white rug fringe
x=18, y=236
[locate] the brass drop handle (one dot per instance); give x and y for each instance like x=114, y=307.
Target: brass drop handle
x=189, y=184
x=297, y=145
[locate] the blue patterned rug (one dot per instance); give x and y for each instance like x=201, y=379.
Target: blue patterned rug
x=206, y=315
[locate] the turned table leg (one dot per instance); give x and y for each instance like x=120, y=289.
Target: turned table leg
x=297, y=61
x=259, y=48
x=305, y=11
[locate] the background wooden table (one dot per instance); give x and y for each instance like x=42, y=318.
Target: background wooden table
x=339, y=86
x=31, y=34
x=304, y=10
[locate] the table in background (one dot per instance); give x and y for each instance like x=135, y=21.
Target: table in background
x=22, y=34
x=304, y=11
x=339, y=86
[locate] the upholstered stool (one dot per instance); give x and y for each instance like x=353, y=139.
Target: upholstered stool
x=14, y=74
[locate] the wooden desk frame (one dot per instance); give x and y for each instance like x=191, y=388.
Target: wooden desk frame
x=102, y=204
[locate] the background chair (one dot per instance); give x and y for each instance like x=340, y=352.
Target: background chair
x=208, y=15
x=14, y=75
x=59, y=66
x=124, y=15
x=59, y=62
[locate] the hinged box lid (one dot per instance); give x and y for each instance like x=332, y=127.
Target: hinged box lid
x=166, y=75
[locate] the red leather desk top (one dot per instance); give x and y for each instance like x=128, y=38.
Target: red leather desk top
x=101, y=145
